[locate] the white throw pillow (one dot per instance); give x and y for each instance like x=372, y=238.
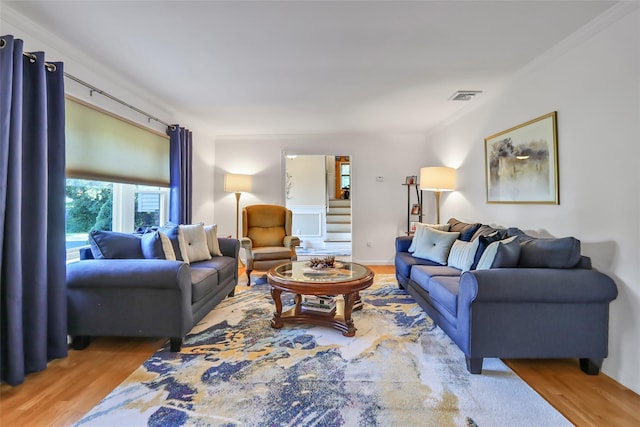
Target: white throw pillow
x=420, y=226
x=462, y=254
x=167, y=247
x=195, y=241
x=435, y=245
x=212, y=239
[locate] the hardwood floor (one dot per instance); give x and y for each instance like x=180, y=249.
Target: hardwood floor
x=70, y=387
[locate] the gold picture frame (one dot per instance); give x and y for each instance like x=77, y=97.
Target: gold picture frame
x=521, y=163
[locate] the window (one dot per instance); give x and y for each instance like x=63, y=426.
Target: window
x=111, y=206
x=117, y=174
x=345, y=175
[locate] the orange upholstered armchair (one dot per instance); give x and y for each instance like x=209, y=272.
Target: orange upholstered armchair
x=266, y=237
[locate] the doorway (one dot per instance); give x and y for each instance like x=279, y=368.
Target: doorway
x=317, y=189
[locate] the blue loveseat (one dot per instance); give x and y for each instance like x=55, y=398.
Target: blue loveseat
x=125, y=293
x=539, y=298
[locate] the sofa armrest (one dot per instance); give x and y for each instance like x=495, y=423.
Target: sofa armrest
x=535, y=285
x=403, y=243
x=129, y=273
x=229, y=247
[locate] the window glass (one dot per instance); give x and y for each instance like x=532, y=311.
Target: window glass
x=345, y=175
x=110, y=206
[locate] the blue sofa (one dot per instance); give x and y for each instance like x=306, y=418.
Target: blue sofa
x=142, y=297
x=549, y=303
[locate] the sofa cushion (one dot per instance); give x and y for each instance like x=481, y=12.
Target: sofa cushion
x=466, y=230
x=484, y=242
x=444, y=290
x=462, y=254
x=157, y=245
x=404, y=263
x=114, y=245
x=435, y=245
x=422, y=274
x=536, y=252
x=207, y=275
x=420, y=226
x=501, y=254
x=195, y=240
x=203, y=281
x=212, y=239
x=270, y=253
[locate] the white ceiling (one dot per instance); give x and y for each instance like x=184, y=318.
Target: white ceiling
x=270, y=67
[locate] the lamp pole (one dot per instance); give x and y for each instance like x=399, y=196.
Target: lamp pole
x=237, y=213
x=437, y=193
x=237, y=183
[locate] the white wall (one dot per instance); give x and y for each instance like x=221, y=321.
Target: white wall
x=594, y=84
x=307, y=178
x=378, y=208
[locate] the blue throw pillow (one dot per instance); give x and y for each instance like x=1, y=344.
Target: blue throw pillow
x=152, y=246
x=484, y=242
x=500, y=254
x=466, y=230
x=114, y=245
x=563, y=252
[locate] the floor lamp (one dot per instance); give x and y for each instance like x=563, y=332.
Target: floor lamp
x=236, y=183
x=438, y=179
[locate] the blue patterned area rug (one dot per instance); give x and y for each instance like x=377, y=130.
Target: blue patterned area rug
x=399, y=370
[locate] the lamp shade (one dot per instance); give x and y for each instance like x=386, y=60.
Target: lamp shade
x=236, y=183
x=438, y=178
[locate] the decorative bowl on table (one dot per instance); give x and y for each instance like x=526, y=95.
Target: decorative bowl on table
x=322, y=263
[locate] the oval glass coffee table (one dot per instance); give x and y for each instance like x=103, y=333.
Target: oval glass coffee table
x=346, y=279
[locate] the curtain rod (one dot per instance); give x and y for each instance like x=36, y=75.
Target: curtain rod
x=108, y=95
x=52, y=67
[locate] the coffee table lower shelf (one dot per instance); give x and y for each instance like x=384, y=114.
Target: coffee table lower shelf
x=336, y=319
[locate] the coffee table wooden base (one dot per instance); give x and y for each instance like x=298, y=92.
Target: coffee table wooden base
x=339, y=319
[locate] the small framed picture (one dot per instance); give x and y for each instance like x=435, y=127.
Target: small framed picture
x=415, y=209
x=411, y=179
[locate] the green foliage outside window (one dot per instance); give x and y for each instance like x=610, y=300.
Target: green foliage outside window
x=89, y=206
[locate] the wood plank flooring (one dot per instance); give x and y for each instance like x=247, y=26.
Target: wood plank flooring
x=70, y=387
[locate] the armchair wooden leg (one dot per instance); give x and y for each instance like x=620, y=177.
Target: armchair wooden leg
x=249, y=277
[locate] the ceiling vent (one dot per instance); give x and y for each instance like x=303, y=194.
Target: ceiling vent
x=464, y=95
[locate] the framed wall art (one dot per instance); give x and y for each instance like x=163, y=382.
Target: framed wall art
x=521, y=163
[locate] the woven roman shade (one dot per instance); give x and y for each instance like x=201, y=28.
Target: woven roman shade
x=102, y=146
